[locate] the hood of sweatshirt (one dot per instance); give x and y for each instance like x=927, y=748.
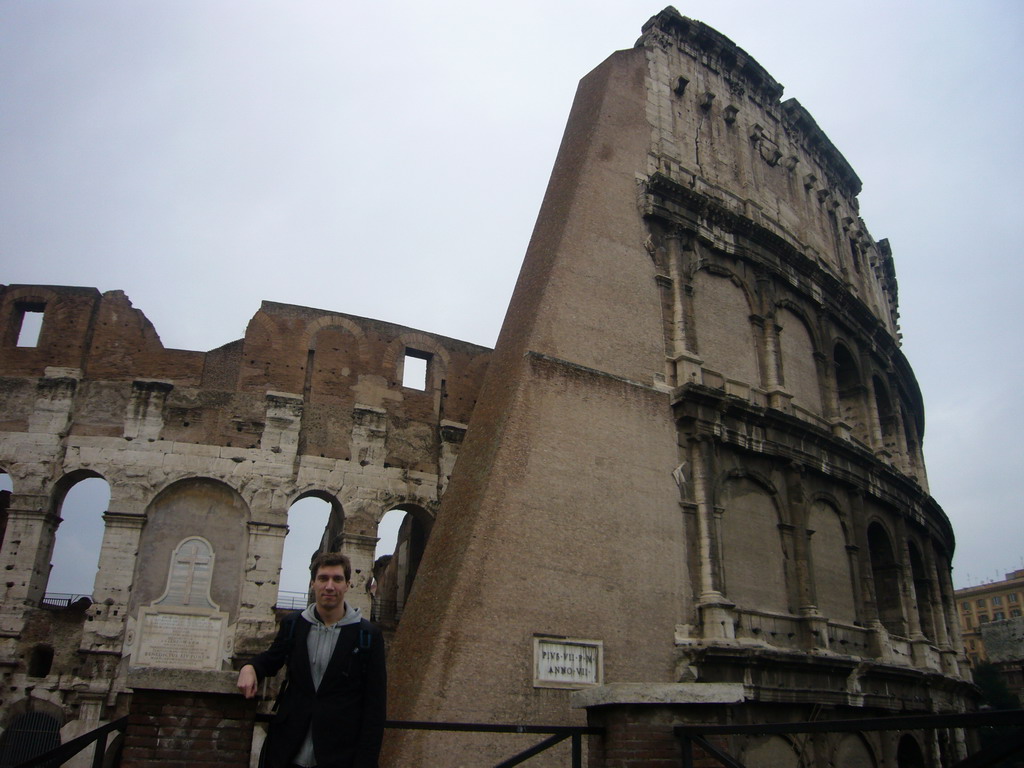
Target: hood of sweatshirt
x=352, y=616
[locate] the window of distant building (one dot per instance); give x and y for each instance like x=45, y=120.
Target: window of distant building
x=1012, y=597
x=967, y=622
x=998, y=616
x=1014, y=613
x=982, y=618
x=981, y=602
x=971, y=644
x=966, y=605
x=997, y=600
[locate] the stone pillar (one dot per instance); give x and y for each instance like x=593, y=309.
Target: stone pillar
x=262, y=572
x=639, y=719
x=686, y=363
x=181, y=718
x=112, y=590
x=28, y=544
x=360, y=550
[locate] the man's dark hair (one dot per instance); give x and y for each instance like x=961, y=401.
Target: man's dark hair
x=325, y=559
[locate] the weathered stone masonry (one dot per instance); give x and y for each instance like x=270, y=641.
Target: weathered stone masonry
x=217, y=444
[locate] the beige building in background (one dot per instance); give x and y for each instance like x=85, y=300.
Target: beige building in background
x=992, y=613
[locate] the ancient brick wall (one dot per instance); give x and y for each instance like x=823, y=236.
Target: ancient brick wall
x=214, y=444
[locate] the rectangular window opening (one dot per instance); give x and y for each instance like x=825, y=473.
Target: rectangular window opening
x=30, y=325
x=414, y=371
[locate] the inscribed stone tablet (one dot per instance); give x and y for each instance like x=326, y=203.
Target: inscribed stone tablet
x=562, y=662
x=180, y=640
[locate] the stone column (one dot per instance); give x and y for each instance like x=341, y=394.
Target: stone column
x=28, y=545
x=360, y=550
x=715, y=609
x=687, y=364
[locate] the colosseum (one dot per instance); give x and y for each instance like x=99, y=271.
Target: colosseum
x=688, y=489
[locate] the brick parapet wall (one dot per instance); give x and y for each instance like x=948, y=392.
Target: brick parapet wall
x=175, y=729
x=644, y=736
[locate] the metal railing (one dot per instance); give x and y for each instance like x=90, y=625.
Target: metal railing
x=292, y=601
x=556, y=735
x=61, y=599
x=63, y=753
x=697, y=735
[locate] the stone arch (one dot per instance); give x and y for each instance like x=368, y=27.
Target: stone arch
x=194, y=506
x=750, y=522
x=885, y=572
x=77, y=539
x=312, y=528
x=833, y=575
x=887, y=417
x=725, y=336
x=909, y=753
x=770, y=752
x=6, y=491
x=854, y=751
x=335, y=349
x=395, y=574
x=849, y=390
x=798, y=349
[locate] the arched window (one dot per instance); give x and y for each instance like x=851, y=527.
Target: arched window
x=832, y=578
x=750, y=523
x=886, y=415
x=799, y=370
x=404, y=531
x=315, y=522
x=886, y=576
x=6, y=489
x=725, y=335
x=850, y=391
x=81, y=503
x=922, y=591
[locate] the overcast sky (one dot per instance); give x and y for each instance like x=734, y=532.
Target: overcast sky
x=389, y=159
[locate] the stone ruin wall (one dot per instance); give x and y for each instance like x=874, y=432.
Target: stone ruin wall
x=217, y=444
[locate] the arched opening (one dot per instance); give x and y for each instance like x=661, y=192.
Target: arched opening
x=81, y=501
x=850, y=391
x=833, y=579
x=922, y=591
x=40, y=661
x=408, y=527
x=28, y=735
x=885, y=572
x=909, y=754
x=750, y=523
x=315, y=523
x=886, y=415
x=6, y=489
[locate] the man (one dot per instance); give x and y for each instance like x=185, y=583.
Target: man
x=331, y=710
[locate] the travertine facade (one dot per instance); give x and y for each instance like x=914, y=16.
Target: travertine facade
x=216, y=445
x=698, y=445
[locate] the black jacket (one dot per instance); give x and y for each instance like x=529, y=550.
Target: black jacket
x=348, y=710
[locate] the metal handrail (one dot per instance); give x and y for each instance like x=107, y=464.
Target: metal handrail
x=556, y=735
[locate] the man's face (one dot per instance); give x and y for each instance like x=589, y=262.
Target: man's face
x=329, y=586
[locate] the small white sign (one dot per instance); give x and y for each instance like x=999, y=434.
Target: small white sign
x=564, y=662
